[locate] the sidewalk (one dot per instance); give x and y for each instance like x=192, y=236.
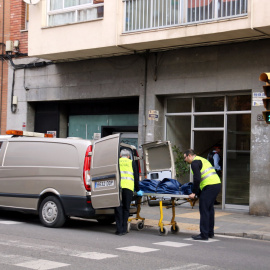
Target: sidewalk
x=227, y=222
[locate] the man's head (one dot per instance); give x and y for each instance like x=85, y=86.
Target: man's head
x=189, y=155
x=217, y=149
x=125, y=153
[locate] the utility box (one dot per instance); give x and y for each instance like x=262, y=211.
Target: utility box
x=9, y=46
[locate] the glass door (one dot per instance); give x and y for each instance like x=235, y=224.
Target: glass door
x=204, y=143
x=238, y=159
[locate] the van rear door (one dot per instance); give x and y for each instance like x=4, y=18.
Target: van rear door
x=159, y=160
x=104, y=173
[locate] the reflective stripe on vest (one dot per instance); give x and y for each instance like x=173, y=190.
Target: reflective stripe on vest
x=208, y=173
x=127, y=176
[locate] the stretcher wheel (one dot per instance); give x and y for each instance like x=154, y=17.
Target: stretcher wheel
x=165, y=231
x=176, y=230
x=128, y=227
x=140, y=225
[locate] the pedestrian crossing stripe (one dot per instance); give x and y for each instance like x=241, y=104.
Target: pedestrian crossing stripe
x=138, y=249
x=172, y=244
x=96, y=255
x=210, y=240
x=41, y=264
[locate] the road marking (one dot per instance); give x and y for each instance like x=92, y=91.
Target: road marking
x=59, y=251
x=96, y=255
x=29, y=262
x=41, y=264
x=209, y=240
x=172, y=244
x=138, y=249
x=193, y=266
x=9, y=222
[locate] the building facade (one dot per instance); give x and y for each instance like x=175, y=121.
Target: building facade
x=185, y=71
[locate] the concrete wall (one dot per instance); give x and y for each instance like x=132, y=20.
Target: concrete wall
x=107, y=37
x=217, y=69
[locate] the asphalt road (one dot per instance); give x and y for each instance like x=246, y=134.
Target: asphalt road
x=26, y=244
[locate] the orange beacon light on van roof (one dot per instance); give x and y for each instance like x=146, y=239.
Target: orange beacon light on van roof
x=28, y=133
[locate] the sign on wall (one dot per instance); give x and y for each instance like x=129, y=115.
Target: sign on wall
x=153, y=115
x=257, y=98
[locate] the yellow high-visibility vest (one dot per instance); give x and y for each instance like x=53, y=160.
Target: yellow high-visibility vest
x=208, y=173
x=127, y=175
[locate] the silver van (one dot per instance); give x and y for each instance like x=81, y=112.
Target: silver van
x=59, y=178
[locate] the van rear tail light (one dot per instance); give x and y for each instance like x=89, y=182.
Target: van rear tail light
x=86, y=168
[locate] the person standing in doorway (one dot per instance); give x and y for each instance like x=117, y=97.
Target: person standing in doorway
x=215, y=159
x=206, y=185
x=129, y=182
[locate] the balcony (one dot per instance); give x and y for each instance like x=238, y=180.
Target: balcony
x=103, y=28
x=143, y=15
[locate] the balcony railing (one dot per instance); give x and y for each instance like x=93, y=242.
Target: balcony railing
x=152, y=14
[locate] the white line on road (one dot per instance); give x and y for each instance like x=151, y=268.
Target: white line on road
x=58, y=250
x=202, y=241
x=29, y=262
x=41, y=264
x=172, y=244
x=192, y=266
x=96, y=255
x=138, y=249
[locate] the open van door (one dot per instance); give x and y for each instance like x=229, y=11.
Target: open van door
x=104, y=172
x=159, y=160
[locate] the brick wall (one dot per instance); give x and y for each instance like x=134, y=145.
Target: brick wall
x=17, y=24
x=14, y=29
x=4, y=35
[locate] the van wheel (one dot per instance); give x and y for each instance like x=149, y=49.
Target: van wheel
x=51, y=212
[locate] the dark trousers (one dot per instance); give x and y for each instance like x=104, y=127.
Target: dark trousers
x=207, y=212
x=122, y=211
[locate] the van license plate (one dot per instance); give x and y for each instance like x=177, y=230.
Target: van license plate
x=107, y=183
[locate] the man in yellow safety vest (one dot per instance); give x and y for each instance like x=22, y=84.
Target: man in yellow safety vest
x=206, y=185
x=129, y=183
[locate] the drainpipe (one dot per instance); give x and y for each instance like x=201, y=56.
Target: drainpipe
x=2, y=71
x=146, y=56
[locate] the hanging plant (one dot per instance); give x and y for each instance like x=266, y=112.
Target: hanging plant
x=181, y=167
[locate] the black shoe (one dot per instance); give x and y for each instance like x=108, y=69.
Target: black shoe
x=211, y=235
x=199, y=237
x=118, y=233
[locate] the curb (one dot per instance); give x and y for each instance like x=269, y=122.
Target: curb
x=264, y=237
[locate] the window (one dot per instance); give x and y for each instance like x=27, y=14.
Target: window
x=62, y=12
x=41, y=154
x=26, y=16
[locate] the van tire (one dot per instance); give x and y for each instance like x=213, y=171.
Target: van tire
x=51, y=213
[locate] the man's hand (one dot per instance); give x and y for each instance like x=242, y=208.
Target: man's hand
x=192, y=195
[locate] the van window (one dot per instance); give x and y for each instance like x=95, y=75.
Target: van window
x=44, y=154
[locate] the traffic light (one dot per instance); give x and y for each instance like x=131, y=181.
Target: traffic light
x=265, y=77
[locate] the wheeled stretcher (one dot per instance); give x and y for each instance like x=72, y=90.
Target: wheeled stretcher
x=171, y=201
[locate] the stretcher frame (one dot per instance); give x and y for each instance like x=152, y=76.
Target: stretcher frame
x=174, y=201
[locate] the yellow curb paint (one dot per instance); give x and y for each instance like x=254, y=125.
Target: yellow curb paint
x=197, y=215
